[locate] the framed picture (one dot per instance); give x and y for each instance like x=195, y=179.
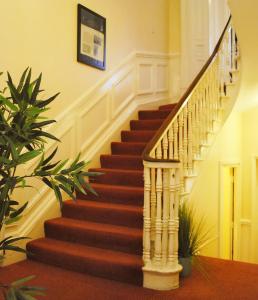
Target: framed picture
x=91, y=38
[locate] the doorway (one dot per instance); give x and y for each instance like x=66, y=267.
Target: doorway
x=228, y=209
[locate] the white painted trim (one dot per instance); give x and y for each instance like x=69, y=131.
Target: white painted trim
x=151, y=89
x=254, y=206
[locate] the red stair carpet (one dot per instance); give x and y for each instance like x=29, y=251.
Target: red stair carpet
x=102, y=236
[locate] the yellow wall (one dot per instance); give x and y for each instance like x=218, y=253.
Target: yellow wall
x=206, y=191
x=174, y=26
x=43, y=35
x=245, y=20
x=250, y=184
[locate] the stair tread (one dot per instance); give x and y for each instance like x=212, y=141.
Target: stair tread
x=154, y=110
x=121, y=161
x=122, y=155
x=153, y=114
x=167, y=106
x=94, y=226
x=86, y=252
x=148, y=121
x=128, y=147
x=121, y=214
x=117, y=187
x=107, y=205
x=131, y=143
x=139, y=132
x=146, y=124
x=129, y=171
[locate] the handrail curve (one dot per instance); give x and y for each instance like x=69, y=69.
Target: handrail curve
x=182, y=102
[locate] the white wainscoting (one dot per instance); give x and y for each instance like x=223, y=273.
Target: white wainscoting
x=141, y=79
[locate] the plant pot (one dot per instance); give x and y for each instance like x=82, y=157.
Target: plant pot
x=186, y=263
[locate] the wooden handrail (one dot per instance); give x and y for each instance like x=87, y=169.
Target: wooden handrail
x=183, y=100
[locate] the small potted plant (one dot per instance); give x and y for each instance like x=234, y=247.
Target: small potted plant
x=191, y=236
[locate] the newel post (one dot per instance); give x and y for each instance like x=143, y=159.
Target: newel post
x=160, y=230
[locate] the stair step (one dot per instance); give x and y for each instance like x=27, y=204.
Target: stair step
x=128, y=162
x=153, y=114
x=110, y=213
x=146, y=124
x=137, y=135
x=118, y=177
x=115, y=194
x=106, y=236
x=168, y=106
x=104, y=263
x=127, y=148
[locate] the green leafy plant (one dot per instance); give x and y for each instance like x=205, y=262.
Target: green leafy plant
x=17, y=290
x=192, y=233
x=23, y=139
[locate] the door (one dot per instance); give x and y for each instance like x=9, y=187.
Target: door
x=227, y=213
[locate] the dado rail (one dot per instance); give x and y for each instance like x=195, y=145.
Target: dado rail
x=170, y=158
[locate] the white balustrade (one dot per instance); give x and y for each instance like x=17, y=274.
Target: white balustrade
x=172, y=158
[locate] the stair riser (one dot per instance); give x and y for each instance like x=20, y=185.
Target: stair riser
x=145, y=124
x=133, y=179
x=127, y=149
x=94, y=238
x=129, y=163
x=130, y=274
x=137, y=136
x=109, y=216
x=115, y=196
x=152, y=115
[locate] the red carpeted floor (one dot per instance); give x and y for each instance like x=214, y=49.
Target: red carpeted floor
x=102, y=235
x=227, y=280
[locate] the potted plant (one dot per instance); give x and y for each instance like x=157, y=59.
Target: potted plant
x=23, y=138
x=191, y=236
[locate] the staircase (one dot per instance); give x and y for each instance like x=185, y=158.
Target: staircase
x=102, y=235
x=105, y=235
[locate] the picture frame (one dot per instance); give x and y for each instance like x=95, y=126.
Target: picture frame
x=91, y=38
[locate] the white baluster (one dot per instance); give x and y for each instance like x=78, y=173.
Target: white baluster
x=176, y=208
x=159, y=151
x=181, y=147
x=190, y=135
x=158, y=221
x=165, y=215
x=185, y=142
x=165, y=146
x=170, y=142
x=171, y=224
x=147, y=217
x=198, y=124
x=153, y=202
x=176, y=139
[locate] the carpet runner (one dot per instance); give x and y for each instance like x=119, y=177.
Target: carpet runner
x=102, y=235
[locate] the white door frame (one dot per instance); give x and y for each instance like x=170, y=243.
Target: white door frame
x=237, y=206
x=254, y=207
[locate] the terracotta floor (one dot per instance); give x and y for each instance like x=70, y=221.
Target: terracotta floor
x=226, y=280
